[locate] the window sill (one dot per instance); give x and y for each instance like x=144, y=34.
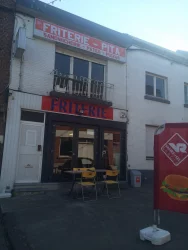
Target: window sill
x=150, y=158
x=156, y=99
x=185, y=105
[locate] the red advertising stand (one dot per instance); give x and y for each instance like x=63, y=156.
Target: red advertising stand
x=170, y=177
x=171, y=168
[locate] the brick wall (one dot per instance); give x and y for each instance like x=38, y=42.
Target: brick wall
x=6, y=34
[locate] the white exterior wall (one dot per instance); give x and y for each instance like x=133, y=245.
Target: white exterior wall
x=16, y=101
x=142, y=111
x=116, y=74
x=38, y=63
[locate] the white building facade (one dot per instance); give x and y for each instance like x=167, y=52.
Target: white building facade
x=156, y=94
x=67, y=102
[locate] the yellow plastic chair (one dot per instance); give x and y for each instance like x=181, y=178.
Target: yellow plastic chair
x=91, y=169
x=111, y=179
x=78, y=177
x=88, y=180
x=79, y=169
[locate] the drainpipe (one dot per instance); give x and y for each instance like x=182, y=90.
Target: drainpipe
x=127, y=110
x=126, y=80
x=22, y=58
x=21, y=74
x=126, y=84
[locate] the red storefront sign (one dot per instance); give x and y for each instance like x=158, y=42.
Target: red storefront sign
x=171, y=168
x=61, y=105
x=75, y=39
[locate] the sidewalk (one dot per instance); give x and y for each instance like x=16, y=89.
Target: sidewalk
x=51, y=221
x=3, y=245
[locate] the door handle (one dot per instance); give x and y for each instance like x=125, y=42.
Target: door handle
x=39, y=148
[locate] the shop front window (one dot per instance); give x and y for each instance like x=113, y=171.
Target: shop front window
x=86, y=147
x=111, y=152
x=63, y=150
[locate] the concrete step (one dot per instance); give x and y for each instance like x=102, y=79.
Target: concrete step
x=38, y=187
x=20, y=189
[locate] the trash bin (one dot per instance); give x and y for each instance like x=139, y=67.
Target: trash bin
x=135, y=178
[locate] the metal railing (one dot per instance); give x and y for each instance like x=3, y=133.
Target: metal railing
x=83, y=86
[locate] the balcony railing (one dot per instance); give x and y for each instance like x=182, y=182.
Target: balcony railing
x=83, y=87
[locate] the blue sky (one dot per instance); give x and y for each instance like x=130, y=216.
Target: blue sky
x=162, y=22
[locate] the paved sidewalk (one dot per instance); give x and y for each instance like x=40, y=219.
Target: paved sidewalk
x=3, y=245
x=52, y=222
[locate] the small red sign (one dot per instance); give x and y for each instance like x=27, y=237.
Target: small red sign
x=137, y=179
x=64, y=106
x=171, y=168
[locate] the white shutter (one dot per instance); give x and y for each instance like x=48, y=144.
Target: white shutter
x=150, y=131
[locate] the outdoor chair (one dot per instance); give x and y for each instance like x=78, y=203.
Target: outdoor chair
x=79, y=169
x=111, y=178
x=87, y=180
x=78, y=176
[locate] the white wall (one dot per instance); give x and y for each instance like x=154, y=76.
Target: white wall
x=39, y=61
x=116, y=74
x=16, y=101
x=142, y=111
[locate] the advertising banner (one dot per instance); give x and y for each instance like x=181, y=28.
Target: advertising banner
x=75, y=39
x=70, y=107
x=171, y=168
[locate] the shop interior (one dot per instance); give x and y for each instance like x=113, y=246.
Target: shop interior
x=78, y=148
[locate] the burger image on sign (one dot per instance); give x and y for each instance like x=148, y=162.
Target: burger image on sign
x=176, y=187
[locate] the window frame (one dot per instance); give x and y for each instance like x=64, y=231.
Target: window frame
x=149, y=157
x=89, y=68
x=155, y=76
x=185, y=84
x=90, y=60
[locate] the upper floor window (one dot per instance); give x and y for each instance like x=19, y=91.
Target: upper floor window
x=81, y=77
x=156, y=86
x=185, y=93
x=62, y=63
x=67, y=65
x=80, y=67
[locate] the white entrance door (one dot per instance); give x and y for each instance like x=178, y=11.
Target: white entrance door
x=29, y=163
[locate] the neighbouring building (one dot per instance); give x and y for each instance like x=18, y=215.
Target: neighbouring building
x=7, y=16
x=67, y=97
x=157, y=92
